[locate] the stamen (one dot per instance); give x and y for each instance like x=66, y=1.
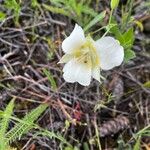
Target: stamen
x=87, y=54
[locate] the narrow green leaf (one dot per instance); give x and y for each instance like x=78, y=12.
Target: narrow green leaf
x=85, y=146
x=68, y=148
x=51, y=135
x=56, y=10
x=15, y=7
x=34, y=3
x=89, y=11
x=2, y=16
x=97, y=19
x=139, y=24
x=147, y=84
x=137, y=144
x=50, y=79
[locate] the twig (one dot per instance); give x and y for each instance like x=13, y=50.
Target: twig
x=8, y=43
x=89, y=130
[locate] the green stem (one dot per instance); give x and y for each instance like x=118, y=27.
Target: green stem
x=97, y=30
x=97, y=136
x=110, y=17
x=130, y=3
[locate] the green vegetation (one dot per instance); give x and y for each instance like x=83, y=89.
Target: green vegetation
x=15, y=7
x=22, y=126
x=31, y=35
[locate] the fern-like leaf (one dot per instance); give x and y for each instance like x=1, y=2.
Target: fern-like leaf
x=25, y=124
x=4, y=122
x=51, y=135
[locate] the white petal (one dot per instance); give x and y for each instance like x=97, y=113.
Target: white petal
x=110, y=51
x=65, y=58
x=69, y=72
x=77, y=72
x=74, y=41
x=96, y=73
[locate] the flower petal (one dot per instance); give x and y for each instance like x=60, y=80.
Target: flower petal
x=74, y=41
x=66, y=58
x=110, y=51
x=96, y=73
x=75, y=71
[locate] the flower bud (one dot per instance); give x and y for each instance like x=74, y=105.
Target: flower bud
x=114, y=4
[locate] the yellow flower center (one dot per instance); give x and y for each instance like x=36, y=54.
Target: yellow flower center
x=87, y=54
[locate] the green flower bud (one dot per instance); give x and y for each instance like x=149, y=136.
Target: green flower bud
x=114, y=4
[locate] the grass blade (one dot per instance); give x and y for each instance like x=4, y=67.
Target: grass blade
x=50, y=79
x=95, y=20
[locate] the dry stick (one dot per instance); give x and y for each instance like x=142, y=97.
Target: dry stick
x=114, y=110
x=34, y=71
x=50, y=18
x=10, y=17
x=27, y=143
x=46, y=99
x=8, y=43
x=33, y=82
x=7, y=70
x=45, y=79
x=136, y=81
x=97, y=133
x=26, y=79
x=31, y=52
x=89, y=130
x=42, y=87
x=6, y=62
x=8, y=55
x=73, y=121
x=27, y=27
x=147, y=109
x=25, y=39
x=139, y=66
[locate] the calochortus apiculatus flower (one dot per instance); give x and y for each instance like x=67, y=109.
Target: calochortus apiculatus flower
x=85, y=57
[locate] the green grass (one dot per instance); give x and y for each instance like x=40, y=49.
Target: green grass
x=22, y=126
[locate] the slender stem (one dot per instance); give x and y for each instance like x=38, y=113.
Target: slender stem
x=97, y=30
x=130, y=3
x=110, y=17
x=97, y=135
x=106, y=32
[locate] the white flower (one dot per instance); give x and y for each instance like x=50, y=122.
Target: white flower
x=84, y=57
